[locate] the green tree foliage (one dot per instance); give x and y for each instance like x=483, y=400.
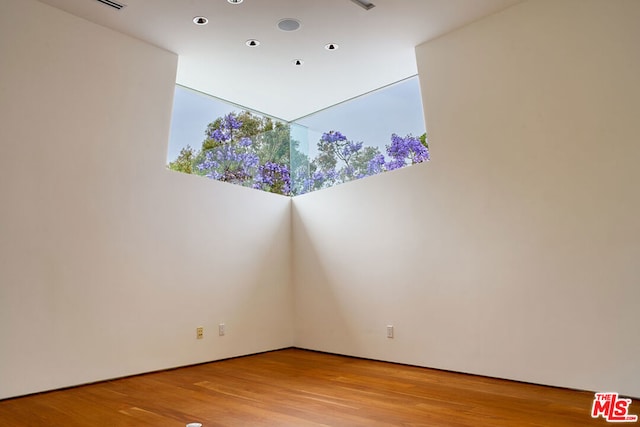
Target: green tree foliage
x=360, y=160
x=424, y=140
x=184, y=161
x=270, y=139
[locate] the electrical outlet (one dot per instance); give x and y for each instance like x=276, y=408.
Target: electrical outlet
x=199, y=332
x=221, y=329
x=389, y=331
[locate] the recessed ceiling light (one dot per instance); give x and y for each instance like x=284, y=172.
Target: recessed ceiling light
x=235, y=1
x=331, y=46
x=298, y=62
x=252, y=43
x=289, y=24
x=200, y=20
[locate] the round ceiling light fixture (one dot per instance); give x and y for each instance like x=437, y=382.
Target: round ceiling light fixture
x=297, y=62
x=235, y=1
x=289, y=24
x=331, y=46
x=200, y=20
x=252, y=43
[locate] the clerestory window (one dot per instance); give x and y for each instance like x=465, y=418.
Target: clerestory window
x=371, y=134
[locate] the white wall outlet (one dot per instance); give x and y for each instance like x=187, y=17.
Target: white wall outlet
x=221, y=329
x=199, y=332
x=389, y=331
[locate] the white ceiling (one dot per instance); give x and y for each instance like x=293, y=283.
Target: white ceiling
x=376, y=46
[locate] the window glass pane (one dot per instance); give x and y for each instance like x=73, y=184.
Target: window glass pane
x=376, y=132
x=218, y=140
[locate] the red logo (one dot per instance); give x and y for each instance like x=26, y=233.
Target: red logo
x=612, y=408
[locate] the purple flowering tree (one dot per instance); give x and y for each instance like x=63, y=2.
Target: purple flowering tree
x=340, y=160
x=406, y=151
x=234, y=163
x=245, y=150
x=226, y=158
x=254, y=152
x=273, y=177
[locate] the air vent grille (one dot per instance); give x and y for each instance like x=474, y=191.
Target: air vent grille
x=365, y=4
x=112, y=4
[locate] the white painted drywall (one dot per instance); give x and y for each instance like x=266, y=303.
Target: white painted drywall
x=108, y=261
x=516, y=252
x=513, y=253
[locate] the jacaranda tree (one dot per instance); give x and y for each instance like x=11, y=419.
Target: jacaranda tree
x=257, y=152
x=244, y=149
x=340, y=160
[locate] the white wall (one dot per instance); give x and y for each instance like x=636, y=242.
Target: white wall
x=108, y=262
x=515, y=252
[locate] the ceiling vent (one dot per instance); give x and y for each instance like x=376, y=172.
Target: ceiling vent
x=367, y=5
x=112, y=4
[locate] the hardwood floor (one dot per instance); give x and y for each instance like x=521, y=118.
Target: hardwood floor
x=295, y=387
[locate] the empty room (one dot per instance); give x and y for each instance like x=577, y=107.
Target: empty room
x=296, y=263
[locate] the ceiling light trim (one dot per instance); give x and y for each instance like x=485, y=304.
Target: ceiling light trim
x=200, y=20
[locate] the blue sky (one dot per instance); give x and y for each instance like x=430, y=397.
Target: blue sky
x=370, y=118
x=373, y=117
x=192, y=112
